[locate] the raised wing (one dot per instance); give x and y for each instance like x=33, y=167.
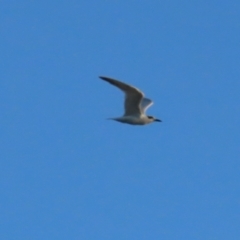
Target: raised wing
x=145, y=104
x=133, y=96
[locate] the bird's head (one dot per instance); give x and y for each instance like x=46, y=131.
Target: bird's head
x=153, y=119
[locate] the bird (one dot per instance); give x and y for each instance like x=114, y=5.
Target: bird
x=135, y=104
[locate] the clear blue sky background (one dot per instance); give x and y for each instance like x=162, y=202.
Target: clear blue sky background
x=68, y=173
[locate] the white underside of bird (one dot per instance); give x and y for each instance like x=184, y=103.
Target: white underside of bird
x=135, y=104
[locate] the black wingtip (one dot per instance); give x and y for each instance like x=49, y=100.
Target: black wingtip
x=103, y=78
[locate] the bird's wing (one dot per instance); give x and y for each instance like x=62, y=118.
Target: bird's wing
x=145, y=104
x=133, y=96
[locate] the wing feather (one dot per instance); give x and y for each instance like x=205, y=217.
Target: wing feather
x=133, y=96
x=145, y=104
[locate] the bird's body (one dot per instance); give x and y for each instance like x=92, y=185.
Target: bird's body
x=134, y=120
x=135, y=104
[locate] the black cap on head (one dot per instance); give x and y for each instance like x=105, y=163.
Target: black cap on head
x=154, y=119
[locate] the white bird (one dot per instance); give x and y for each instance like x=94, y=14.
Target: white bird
x=135, y=104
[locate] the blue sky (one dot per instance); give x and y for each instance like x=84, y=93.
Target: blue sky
x=68, y=173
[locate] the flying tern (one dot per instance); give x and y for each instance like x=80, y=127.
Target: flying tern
x=135, y=104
